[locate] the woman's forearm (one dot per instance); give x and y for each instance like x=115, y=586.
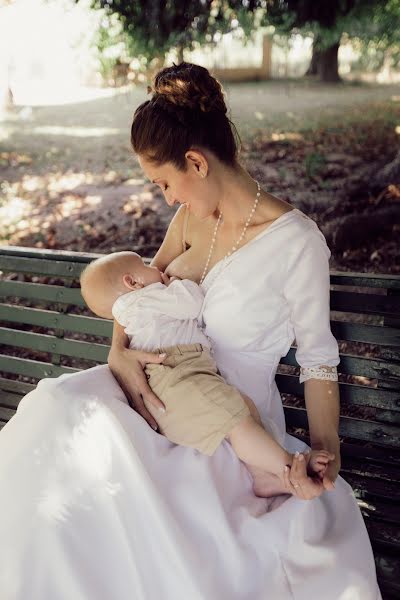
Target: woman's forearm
x=119, y=338
x=323, y=409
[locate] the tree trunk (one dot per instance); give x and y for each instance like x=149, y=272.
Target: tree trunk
x=313, y=68
x=180, y=54
x=328, y=68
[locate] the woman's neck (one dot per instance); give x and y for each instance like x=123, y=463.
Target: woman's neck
x=238, y=195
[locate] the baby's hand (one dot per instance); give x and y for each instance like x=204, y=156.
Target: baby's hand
x=317, y=462
x=167, y=280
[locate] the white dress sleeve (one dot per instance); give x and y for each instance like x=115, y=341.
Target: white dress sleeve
x=306, y=290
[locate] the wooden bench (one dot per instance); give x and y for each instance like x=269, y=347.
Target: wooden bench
x=45, y=331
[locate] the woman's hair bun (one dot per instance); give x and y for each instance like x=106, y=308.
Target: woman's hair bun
x=189, y=86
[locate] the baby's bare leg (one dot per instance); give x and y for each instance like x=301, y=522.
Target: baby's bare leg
x=265, y=483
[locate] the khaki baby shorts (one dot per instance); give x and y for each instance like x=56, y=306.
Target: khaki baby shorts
x=201, y=408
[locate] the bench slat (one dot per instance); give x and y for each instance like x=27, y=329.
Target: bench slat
x=55, y=320
x=40, y=291
x=368, y=334
x=350, y=394
x=372, y=490
x=50, y=343
x=370, y=304
x=355, y=365
x=9, y=399
x=376, y=433
x=6, y=413
x=37, y=266
x=17, y=387
x=367, y=280
x=32, y=368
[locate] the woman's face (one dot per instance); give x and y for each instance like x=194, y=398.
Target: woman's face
x=191, y=187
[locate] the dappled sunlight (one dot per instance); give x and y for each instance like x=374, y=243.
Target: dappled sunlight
x=80, y=464
x=68, y=181
x=76, y=131
x=287, y=135
x=13, y=210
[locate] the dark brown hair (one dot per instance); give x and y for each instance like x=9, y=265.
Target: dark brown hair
x=187, y=110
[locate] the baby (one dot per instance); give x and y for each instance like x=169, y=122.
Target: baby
x=161, y=315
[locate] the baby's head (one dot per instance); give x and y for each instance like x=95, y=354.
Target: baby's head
x=108, y=277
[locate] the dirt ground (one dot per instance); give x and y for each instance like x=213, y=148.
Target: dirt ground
x=68, y=178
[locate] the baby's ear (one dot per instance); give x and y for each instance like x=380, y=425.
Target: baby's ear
x=130, y=282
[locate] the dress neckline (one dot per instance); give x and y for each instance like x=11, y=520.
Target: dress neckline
x=254, y=239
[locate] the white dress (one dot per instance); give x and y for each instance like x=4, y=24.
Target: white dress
x=94, y=505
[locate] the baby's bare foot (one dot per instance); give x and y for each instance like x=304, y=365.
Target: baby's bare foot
x=266, y=485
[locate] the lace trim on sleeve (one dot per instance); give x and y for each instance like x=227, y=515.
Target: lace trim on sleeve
x=322, y=372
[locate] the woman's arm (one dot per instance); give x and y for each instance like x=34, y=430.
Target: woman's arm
x=127, y=365
x=323, y=409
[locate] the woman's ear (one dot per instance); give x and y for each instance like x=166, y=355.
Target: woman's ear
x=198, y=162
x=130, y=282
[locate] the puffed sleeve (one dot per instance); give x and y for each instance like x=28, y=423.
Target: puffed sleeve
x=306, y=290
x=182, y=299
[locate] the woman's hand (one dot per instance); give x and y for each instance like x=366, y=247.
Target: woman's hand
x=127, y=367
x=298, y=483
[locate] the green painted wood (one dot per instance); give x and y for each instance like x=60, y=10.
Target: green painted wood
x=50, y=343
x=383, y=535
x=388, y=569
x=379, y=509
x=377, y=433
x=57, y=255
x=387, y=416
x=350, y=394
x=56, y=320
x=370, y=489
x=6, y=413
x=40, y=291
x=368, y=334
x=32, y=368
x=17, y=387
x=370, y=304
x=368, y=280
x=362, y=466
x=9, y=399
x=355, y=365
x=37, y=266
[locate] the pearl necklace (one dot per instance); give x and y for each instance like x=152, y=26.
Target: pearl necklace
x=236, y=244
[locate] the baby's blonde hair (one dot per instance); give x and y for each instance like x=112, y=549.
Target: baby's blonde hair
x=109, y=269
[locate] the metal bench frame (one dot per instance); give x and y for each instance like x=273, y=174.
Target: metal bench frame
x=371, y=450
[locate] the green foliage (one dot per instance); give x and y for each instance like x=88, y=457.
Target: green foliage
x=153, y=28
x=376, y=21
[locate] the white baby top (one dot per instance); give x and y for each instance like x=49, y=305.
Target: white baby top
x=159, y=316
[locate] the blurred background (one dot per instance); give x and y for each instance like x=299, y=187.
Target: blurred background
x=313, y=88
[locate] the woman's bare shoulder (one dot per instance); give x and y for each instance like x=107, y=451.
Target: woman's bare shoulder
x=171, y=246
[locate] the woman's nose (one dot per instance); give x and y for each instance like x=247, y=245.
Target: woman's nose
x=170, y=201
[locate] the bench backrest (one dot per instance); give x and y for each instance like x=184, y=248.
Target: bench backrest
x=46, y=330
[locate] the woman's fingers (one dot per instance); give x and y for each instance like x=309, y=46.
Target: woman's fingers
x=306, y=487
x=136, y=402
x=146, y=358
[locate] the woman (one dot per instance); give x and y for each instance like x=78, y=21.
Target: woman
x=95, y=504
